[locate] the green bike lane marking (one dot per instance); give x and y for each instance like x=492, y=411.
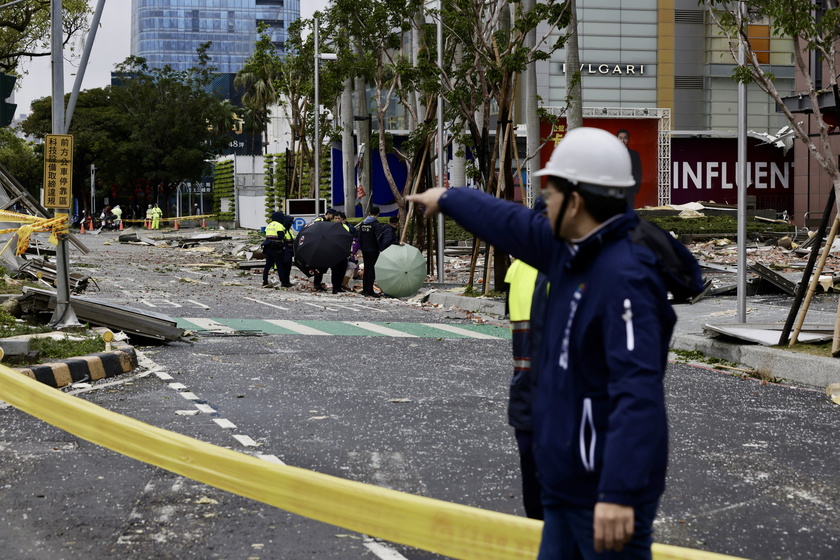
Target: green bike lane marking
x=341, y=328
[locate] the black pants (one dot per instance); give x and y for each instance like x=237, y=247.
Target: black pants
x=530, y=483
x=272, y=259
x=370, y=258
x=336, y=274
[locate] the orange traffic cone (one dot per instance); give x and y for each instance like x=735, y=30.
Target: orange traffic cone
x=176, y=224
x=203, y=223
x=121, y=226
x=82, y=227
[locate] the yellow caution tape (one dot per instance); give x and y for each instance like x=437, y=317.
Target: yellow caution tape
x=450, y=529
x=57, y=226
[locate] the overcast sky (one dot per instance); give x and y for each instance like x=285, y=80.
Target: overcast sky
x=111, y=46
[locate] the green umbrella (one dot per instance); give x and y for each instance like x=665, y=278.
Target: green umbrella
x=400, y=270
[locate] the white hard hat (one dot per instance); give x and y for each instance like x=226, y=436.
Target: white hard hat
x=591, y=157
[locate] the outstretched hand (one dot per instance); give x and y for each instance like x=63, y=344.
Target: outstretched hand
x=429, y=199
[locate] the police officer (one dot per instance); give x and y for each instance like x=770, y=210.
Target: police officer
x=276, y=238
x=370, y=238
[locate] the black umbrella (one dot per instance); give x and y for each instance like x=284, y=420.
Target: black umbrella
x=322, y=244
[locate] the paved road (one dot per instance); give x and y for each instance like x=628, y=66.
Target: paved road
x=386, y=396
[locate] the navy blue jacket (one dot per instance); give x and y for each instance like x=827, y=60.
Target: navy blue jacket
x=600, y=426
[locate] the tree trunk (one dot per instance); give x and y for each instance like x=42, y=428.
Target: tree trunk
x=347, y=148
x=574, y=93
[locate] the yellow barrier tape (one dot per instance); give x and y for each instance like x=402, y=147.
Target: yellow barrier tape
x=450, y=529
x=57, y=226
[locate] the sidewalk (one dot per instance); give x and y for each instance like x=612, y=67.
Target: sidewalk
x=689, y=333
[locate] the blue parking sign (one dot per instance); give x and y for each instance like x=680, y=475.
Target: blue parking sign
x=298, y=224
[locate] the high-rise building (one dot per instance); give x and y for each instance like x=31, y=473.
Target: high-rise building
x=168, y=32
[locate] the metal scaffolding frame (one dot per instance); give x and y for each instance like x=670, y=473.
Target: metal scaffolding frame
x=662, y=115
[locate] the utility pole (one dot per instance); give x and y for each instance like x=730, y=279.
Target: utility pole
x=63, y=316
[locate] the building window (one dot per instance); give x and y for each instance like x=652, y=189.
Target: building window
x=195, y=21
x=759, y=36
x=231, y=21
x=272, y=23
x=278, y=3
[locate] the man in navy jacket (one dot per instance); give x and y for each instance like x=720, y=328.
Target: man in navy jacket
x=600, y=426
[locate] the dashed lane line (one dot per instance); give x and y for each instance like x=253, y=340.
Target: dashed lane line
x=266, y=303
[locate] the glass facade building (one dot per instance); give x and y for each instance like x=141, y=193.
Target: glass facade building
x=168, y=32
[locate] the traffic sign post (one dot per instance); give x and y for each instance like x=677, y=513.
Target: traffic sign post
x=58, y=171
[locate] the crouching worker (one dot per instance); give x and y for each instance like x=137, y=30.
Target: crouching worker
x=599, y=419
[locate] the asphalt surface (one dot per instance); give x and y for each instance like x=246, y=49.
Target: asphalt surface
x=752, y=472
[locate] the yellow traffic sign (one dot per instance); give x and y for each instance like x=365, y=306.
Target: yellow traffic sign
x=58, y=171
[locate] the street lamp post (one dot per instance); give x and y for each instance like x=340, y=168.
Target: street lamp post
x=317, y=143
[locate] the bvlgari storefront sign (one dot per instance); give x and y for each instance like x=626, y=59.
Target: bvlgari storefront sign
x=611, y=69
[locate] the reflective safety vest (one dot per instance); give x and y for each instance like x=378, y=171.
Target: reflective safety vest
x=521, y=278
x=275, y=229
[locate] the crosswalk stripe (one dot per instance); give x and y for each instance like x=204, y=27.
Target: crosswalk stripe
x=458, y=330
x=296, y=327
x=209, y=324
x=379, y=329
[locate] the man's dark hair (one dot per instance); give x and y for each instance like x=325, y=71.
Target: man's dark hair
x=374, y=210
x=394, y=220
x=624, y=130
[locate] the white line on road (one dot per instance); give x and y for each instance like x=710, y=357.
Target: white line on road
x=162, y=375
x=205, y=408
x=209, y=324
x=379, y=329
x=320, y=306
x=190, y=396
x=271, y=459
x=296, y=327
x=245, y=440
x=198, y=304
x=268, y=304
x=225, y=423
x=149, y=304
x=178, y=386
x=382, y=551
x=356, y=306
x=458, y=330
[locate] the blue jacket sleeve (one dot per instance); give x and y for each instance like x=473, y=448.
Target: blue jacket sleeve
x=509, y=226
x=636, y=331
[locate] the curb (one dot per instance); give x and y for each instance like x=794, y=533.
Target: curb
x=784, y=364
x=84, y=368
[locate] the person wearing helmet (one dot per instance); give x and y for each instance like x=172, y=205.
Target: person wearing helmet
x=598, y=411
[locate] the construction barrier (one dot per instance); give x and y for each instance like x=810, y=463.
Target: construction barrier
x=450, y=529
x=30, y=224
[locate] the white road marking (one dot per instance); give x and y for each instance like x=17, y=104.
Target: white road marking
x=209, y=324
x=205, y=408
x=296, y=327
x=225, y=423
x=458, y=330
x=271, y=459
x=379, y=329
x=163, y=375
x=357, y=306
x=149, y=304
x=320, y=306
x=268, y=304
x=198, y=304
x=381, y=550
x=178, y=386
x=245, y=440
x=190, y=396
